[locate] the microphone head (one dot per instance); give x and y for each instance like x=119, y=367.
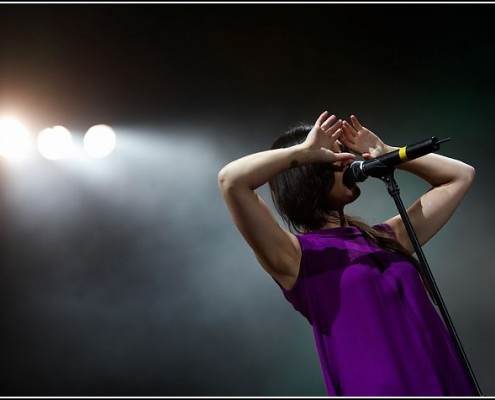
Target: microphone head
x=353, y=174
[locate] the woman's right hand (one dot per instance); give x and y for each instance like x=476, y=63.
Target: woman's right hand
x=321, y=140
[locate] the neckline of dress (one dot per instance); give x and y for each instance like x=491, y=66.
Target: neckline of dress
x=338, y=230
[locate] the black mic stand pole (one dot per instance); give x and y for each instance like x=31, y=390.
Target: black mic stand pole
x=387, y=176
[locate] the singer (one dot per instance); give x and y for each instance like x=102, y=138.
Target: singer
x=376, y=330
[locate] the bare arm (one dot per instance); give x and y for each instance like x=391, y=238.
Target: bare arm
x=276, y=249
x=450, y=180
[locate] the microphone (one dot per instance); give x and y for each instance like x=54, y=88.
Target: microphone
x=359, y=171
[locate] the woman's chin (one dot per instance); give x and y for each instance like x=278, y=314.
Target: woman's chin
x=355, y=193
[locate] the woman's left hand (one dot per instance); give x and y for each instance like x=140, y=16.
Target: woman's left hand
x=361, y=140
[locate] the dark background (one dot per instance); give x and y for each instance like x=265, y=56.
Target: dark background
x=125, y=276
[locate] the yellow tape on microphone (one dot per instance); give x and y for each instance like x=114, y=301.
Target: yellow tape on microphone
x=402, y=153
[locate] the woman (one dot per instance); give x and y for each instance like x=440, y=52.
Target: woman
x=377, y=332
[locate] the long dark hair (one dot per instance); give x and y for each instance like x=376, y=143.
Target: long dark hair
x=300, y=195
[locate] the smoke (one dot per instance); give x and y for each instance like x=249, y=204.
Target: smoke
x=125, y=276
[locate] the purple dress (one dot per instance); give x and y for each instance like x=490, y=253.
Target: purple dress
x=376, y=331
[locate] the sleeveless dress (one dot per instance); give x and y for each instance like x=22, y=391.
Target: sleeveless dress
x=376, y=331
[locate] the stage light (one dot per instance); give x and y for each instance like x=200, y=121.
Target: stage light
x=15, y=141
x=99, y=141
x=55, y=143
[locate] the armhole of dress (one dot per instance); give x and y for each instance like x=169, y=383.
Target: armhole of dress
x=386, y=228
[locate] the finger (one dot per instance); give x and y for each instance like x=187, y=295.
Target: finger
x=366, y=156
x=334, y=157
x=344, y=156
x=336, y=135
x=333, y=128
x=321, y=118
x=356, y=123
x=343, y=144
x=348, y=140
x=349, y=129
x=349, y=136
x=329, y=123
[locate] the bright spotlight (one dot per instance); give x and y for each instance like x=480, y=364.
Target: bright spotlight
x=55, y=143
x=15, y=141
x=99, y=141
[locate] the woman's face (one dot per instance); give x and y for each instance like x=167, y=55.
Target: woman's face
x=341, y=195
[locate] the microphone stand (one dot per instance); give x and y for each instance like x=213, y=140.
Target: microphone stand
x=386, y=174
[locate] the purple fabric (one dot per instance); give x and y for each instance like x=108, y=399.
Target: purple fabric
x=376, y=331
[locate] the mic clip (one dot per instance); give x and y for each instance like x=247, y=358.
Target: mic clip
x=357, y=172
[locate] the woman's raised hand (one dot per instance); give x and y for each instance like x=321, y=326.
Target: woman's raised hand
x=361, y=140
x=322, y=137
